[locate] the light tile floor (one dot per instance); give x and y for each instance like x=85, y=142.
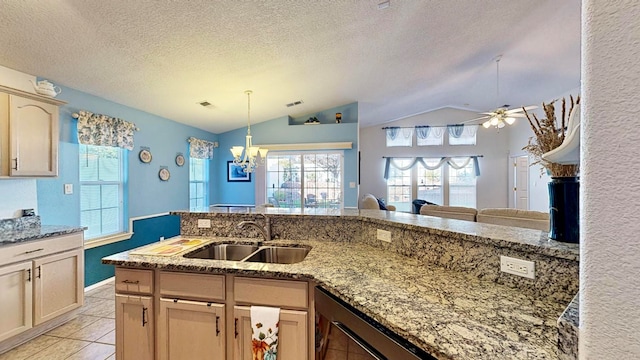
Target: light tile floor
x=90, y=336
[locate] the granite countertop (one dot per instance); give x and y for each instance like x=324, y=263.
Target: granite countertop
x=449, y=314
x=13, y=236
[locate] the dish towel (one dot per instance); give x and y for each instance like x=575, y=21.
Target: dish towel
x=264, y=332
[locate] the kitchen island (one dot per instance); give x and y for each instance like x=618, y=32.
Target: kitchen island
x=445, y=298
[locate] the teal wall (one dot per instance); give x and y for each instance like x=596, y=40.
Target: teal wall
x=145, y=231
x=286, y=130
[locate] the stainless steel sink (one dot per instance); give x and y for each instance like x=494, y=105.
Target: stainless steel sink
x=224, y=252
x=279, y=255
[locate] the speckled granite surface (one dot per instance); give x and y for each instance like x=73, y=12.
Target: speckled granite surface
x=447, y=243
x=568, y=331
x=449, y=314
x=35, y=233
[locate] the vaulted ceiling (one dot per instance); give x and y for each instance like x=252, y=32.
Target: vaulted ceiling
x=409, y=57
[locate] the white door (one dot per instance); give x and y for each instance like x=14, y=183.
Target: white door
x=521, y=181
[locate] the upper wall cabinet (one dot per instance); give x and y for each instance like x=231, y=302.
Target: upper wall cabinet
x=28, y=134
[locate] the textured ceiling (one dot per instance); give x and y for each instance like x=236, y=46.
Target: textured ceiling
x=417, y=55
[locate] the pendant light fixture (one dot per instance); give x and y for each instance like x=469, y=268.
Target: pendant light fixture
x=249, y=161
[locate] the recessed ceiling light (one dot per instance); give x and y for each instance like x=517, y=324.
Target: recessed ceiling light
x=384, y=5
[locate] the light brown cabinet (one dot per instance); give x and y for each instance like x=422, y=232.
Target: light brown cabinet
x=16, y=299
x=40, y=287
x=205, y=316
x=191, y=330
x=29, y=134
x=292, y=334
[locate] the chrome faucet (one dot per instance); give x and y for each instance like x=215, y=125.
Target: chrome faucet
x=264, y=230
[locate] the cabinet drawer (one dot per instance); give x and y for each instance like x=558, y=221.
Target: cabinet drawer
x=37, y=248
x=282, y=293
x=192, y=286
x=134, y=281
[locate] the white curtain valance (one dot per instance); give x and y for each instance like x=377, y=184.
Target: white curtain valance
x=444, y=160
x=397, y=136
x=200, y=149
x=103, y=130
x=429, y=135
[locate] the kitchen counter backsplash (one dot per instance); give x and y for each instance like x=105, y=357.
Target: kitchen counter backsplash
x=456, y=245
x=18, y=224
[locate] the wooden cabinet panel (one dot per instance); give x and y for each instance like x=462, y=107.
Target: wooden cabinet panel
x=58, y=284
x=15, y=297
x=33, y=127
x=134, y=327
x=268, y=292
x=134, y=281
x=32, y=249
x=191, y=330
x=192, y=286
x=292, y=334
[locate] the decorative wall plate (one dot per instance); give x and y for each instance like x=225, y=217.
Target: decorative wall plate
x=179, y=160
x=164, y=174
x=145, y=156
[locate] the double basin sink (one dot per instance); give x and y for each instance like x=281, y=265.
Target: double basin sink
x=251, y=253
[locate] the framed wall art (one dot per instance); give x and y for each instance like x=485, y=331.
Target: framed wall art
x=236, y=173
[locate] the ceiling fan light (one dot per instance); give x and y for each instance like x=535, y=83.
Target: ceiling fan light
x=486, y=124
x=494, y=121
x=501, y=124
x=510, y=120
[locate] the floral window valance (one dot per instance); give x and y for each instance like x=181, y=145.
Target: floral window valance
x=103, y=130
x=200, y=149
x=456, y=164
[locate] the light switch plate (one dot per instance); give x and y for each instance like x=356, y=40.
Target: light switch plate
x=352, y=184
x=68, y=189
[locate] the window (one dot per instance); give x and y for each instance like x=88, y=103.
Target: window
x=314, y=180
x=444, y=185
x=462, y=135
x=101, y=190
x=462, y=185
x=198, y=183
x=399, y=184
x=397, y=136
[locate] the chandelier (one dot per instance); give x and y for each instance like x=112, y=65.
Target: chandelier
x=249, y=161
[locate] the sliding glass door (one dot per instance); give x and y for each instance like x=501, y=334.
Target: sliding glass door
x=312, y=180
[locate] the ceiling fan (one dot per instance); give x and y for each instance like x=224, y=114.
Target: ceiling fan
x=501, y=116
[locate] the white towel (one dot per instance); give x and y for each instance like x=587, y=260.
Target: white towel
x=264, y=332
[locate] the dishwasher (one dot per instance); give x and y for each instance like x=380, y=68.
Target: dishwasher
x=371, y=337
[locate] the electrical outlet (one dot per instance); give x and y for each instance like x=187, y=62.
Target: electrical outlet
x=518, y=267
x=204, y=223
x=384, y=235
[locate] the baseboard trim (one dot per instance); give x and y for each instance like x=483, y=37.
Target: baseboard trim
x=98, y=284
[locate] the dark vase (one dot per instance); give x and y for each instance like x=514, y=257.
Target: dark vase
x=564, y=209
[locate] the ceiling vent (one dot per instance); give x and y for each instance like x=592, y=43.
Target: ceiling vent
x=206, y=104
x=294, y=103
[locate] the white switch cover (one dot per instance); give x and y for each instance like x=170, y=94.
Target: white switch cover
x=352, y=184
x=204, y=223
x=68, y=189
x=518, y=267
x=384, y=235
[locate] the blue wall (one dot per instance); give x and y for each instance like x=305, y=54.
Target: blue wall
x=286, y=130
x=146, y=193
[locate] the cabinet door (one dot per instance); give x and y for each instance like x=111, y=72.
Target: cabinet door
x=15, y=297
x=33, y=127
x=58, y=284
x=292, y=334
x=134, y=327
x=191, y=330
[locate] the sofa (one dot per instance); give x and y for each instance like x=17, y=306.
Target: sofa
x=368, y=201
x=529, y=219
